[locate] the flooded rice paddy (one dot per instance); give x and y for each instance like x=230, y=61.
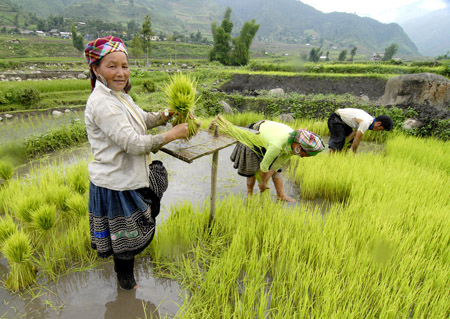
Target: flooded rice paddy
x=94, y=293
x=19, y=128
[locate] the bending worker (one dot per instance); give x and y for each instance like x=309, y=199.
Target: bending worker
x=342, y=122
x=281, y=142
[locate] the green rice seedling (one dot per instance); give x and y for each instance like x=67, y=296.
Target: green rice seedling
x=6, y=170
x=77, y=177
x=318, y=127
x=25, y=204
x=380, y=249
x=423, y=152
x=246, y=118
x=44, y=218
x=76, y=243
x=18, y=252
x=52, y=260
x=249, y=139
x=56, y=194
x=180, y=95
x=77, y=204
x=7, y=228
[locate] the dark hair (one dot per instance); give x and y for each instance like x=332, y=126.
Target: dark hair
x=386, y=122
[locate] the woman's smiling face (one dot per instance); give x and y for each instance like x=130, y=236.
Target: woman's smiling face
x=114, y=68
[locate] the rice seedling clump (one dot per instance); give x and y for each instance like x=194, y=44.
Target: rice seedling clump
x=7, y=228
x=44, y=217
x=18, y=252
x=249, y=139
x=6, y=170
x=180, y=95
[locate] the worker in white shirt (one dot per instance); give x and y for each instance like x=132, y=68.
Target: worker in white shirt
x=352, y=123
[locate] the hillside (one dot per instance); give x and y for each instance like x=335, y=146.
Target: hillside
x=430, y=32
x=283, y=18
x=288, y=21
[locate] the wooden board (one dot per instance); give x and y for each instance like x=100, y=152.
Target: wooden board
x=204, y=143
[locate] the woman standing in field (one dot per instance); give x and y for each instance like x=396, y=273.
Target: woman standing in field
x=281, y=142
x=125, y=191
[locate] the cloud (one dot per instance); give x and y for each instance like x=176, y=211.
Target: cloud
x=432, y=5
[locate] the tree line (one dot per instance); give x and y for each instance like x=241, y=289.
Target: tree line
x=316, y=53
x=226, y=49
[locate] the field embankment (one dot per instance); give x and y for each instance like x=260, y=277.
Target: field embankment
x=308, y=84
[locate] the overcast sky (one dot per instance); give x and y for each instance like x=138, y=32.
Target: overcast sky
x=385, y=11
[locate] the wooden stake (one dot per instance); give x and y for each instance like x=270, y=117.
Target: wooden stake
x=215, y=162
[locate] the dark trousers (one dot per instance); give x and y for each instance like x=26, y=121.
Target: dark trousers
x=123, y=266
x=338, y=132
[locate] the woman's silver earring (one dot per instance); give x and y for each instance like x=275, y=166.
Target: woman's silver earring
x=102, y=79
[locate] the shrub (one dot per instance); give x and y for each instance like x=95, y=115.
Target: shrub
x=25, y=96
x=149, y=86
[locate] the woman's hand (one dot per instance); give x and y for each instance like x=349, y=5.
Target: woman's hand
x=167, y=114
x=176, y=132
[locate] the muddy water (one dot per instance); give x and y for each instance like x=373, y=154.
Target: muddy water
x=94, y=293
x=17, y=129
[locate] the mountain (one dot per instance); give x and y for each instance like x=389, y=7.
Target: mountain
x=280, y=20
x=294, y=18
x=430, y=32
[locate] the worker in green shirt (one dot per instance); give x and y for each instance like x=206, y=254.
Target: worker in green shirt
x=281, y=142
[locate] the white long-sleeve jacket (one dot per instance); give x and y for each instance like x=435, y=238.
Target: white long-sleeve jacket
x=119, y=140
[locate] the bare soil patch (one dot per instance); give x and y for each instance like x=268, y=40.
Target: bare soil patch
x=249, y=83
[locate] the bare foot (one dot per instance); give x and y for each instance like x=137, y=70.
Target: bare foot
x=286, y=198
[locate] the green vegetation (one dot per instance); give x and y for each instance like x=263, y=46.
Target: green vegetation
x=390, y=51
x=300, y=24
x=44, y=225
x=180, y=93
x=368, y=69
x=249, y=139
x=381, y=249
x=232, y=51
x=18, y=252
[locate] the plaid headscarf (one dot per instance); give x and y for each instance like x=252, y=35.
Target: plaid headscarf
x=97, y=49
x=310, y=142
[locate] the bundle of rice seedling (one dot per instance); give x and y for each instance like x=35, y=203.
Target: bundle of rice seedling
x=6, y=170
x=7, y=228
x=248, y=138
x=180, y=95
x=78, y=205
x=26, y=204
x=77, y=177
x=17, y=250
x=44, y=217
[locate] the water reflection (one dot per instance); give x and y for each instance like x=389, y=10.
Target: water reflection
x=127, y=305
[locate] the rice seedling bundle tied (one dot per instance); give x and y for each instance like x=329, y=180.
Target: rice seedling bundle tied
x=18, y=252
x=248, y=138
x=180, y=95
